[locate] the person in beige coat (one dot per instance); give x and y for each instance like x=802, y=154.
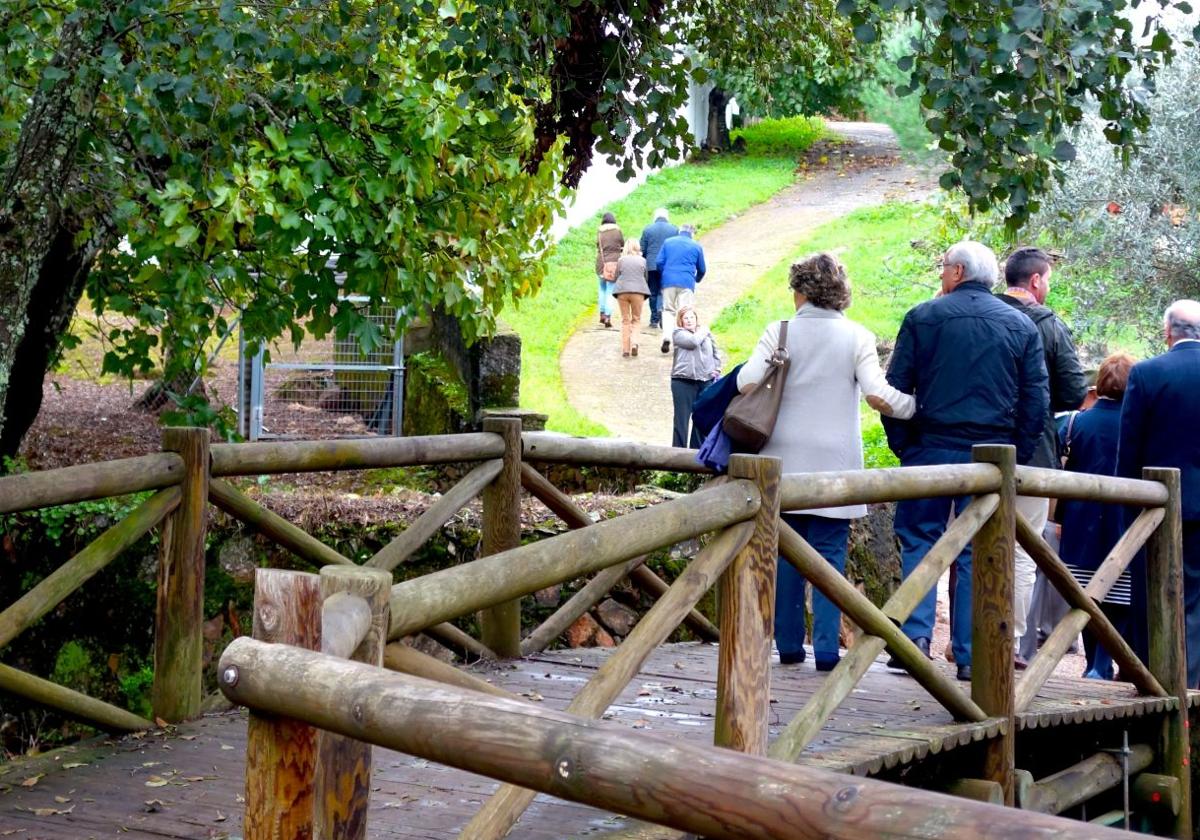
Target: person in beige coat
x=834, y=363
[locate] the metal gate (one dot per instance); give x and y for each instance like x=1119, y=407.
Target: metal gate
x=323, y=389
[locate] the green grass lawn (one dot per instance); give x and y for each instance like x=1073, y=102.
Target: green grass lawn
x=703, y=193
x=887, y=275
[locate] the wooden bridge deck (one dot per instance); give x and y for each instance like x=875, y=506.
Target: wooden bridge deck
x=189, y=784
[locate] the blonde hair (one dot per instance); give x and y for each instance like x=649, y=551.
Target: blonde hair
x=632, y=246
x=683, y=310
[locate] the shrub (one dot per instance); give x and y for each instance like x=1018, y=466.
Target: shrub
x=789, y=136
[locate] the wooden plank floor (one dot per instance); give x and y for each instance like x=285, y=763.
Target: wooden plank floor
x=189, y=784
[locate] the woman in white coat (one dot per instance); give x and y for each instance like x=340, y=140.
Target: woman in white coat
x=833, y=364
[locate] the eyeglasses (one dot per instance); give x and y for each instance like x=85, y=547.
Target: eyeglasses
x=941, y=264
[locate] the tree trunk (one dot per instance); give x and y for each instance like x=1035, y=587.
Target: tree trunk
x=718, y=129
x=40, y=267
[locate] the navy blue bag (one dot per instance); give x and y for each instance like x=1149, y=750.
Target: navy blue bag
x=709, y=408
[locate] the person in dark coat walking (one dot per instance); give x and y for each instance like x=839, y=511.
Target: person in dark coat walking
x=609, y=244
x=1158, y=429
x=1091, y=529
x=653, y=236
x=1027, y=277
x=975, y=366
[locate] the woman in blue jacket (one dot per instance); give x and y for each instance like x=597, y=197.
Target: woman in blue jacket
x=1091, y=529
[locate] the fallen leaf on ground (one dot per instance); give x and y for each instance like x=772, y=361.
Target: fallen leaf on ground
x=32, y=780
x=72, y=765
x=155, y=781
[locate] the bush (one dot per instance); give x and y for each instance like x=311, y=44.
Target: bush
x=790, y=136
x=1130, y=238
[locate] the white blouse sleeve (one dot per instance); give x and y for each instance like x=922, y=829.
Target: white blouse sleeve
x=874, y=384
x=756, y=367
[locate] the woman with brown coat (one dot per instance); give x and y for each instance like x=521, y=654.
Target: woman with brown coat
x=609, y=243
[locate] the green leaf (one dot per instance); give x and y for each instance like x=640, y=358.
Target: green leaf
x=277, y=137
x=1064, y=151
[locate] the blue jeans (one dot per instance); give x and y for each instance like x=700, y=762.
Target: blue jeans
x=830, y=537
x=605, y=295
x=654, y=282
x=919, y=524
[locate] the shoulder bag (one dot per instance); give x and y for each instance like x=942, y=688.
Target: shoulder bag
x=750, y=418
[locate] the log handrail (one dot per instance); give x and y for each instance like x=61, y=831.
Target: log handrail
x=63, y=581
x=1060, y=577
x=608, y=452
x=84, y=482
x=450, y=593
x=1059, y=484
x=367, y=453
x=807, y=723
x=565, y=508
x=501, y=811
x=601, y=764
x=854, y=487
x=270, y=524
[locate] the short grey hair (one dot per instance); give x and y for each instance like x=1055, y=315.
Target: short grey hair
x=978, y=261
x=661, y=213
x=1182, y=319
x=689, y=229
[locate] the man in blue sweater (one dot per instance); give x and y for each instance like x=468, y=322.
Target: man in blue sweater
x=976, y=367
x=681, y=266
x=653, y=236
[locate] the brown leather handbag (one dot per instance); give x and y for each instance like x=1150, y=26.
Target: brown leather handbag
x=750, y=418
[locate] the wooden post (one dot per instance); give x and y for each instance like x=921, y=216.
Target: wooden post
x=179, y=618
x=992, y=618
x=747, y=611
x=281, y=752
x=500, y=626
x=343, y=764
x=1168, y=656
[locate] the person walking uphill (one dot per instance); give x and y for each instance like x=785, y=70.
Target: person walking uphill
x=680, y=264
x=653, y=236
x=609, y=243
x=976, y=368
x=631, y=292
x=1027, y=276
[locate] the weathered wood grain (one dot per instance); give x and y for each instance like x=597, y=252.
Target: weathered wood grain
x=824, y=489
x=1059, y=484
x=592, y=593
x=52, y=589
x=71, y=703
x=500, y=624
x=449, y=593
x=747, y=611
x=1080, y=782
x=608, y=452
x=27, y=491
x=342, y=787
x=281, y=752
x=365, y=453
x=992, y=575
x=179, y=614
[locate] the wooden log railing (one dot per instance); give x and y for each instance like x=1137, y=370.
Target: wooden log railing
x=742, y=797
x=615, y=549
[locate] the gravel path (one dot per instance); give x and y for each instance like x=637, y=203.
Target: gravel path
x=631, y=397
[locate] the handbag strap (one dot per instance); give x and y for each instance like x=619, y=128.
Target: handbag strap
x=781, y=354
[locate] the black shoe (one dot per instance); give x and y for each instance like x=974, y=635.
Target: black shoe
x=666, y=346
x=922, y=645
x=964, y=673
x=793, y=658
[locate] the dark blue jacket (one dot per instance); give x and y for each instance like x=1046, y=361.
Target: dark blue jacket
x=975, y=366
x=1159, y=420
x=681, y=262
x=653, y=236
x=1090, y=529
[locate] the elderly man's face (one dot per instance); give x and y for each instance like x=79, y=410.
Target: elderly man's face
x=952, y=274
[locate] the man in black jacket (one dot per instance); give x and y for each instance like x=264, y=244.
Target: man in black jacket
x=975, y=366
x=1027, y=275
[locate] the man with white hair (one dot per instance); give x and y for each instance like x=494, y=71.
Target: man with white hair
x=680, y=263
x=975, y=365
x=653, y=236
x=1159, y=416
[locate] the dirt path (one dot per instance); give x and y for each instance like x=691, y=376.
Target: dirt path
x=632, y=397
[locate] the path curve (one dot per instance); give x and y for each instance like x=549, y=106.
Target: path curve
x=632, y=397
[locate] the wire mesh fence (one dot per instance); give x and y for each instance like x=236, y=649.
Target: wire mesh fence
x=325, y=388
